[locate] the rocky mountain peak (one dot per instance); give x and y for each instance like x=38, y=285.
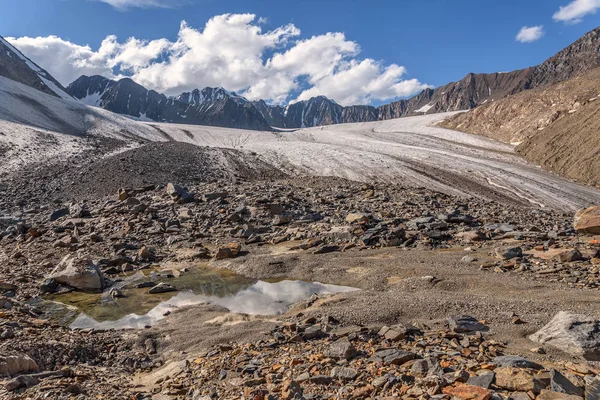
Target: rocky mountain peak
x=14, y=65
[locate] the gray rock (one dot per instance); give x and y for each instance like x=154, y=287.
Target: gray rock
x=592, y=387
x=483, y=380
x=162, y=288
x=395, y=356
x=13, y=365
x=465, y=323
x=509, y=253
x=79, y=273
x=56, y=214
x=341, y=349
x=575, y=334
x=179, y=194
x=516, y=361
x=344, y=373
x=320, y=379
x=559, y=383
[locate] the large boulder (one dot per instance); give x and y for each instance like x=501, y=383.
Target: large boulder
x=79, y=273
x=575, y=334
x=14, y=365
x=587, y=221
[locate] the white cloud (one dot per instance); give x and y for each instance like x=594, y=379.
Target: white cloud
x=232, y=51
x=574, y=12
x=125, y=4
x=529, y=34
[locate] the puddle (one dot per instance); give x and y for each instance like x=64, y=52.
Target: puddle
x=199, y=285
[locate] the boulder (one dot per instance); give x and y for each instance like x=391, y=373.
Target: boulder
x=14, y=365
x=550, y=395
x=355, y=218
x=559, y=383
x=509, y=253
x=516, y=361
x=592, y=387
x=520, y=380
x=341, y=349
x=162, y=288
x=467, y=392
x=465, y=323
x=179, y=194
x=575, y=334
x=79, y=273
x=587, y=221
x=230, y=250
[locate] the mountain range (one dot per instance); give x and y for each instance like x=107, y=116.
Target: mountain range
x=219, y=107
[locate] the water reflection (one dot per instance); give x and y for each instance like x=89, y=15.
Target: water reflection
x=260, y=298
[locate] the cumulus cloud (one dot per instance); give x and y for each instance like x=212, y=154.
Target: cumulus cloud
x=574, y=12
x=125, y=4
x=232, y=51
x=529, y=34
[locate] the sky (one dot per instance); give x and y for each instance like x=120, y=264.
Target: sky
x=353, y=51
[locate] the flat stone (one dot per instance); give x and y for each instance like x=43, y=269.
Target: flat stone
x=516, y=361
x=517, y=379
x=550, y=395
x=162, y=288
x=592, y=387
x=344, y=373
x=341, y=349
x=395, y=356
x=509, y=253
x=467, y=392
x=320, y=379
x=575, y=334
x=587, y=221
x=559, y=383
x=465, y=323
x=483, y=380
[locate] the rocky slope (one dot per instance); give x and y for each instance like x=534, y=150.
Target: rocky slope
x=555, y=126
x=211, y=106
x=14, y=65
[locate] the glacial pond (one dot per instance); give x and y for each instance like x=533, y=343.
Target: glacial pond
x=196, y=285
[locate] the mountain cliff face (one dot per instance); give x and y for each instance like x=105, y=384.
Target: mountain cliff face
x=231, y=110
x=15, y=66
x=210, y=106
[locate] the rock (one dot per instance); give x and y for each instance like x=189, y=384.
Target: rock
x=467, y=392
x=343, y=373
x=517, y=379
x=559, y=383
x=291, y=391
x=280, y=219
x=320, y=379
x=78, y=211
x=483, y=380
x=355, y=218
x=179, y=194
x=569, y=256
x=397, y=332
x=341, y=349
x=465, y=323
x=13, y=365
x=214, y=196
x=326, y=249
x=587, y=221
x=550, y=395
x=79, y=273
x=592, y=387
x=57, y=214
x=426, y=367
x=23, y=381
x=509, y=253
x=516, y=361
x=230, y=250
x=162, y=288
x=146, y=254
x=122, y=194
x=395, y=356
x=470, y=236
x=468, y=259
x=575, y=334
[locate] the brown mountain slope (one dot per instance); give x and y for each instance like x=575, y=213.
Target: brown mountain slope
x=557, y=126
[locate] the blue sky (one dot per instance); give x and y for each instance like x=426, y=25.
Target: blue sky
x=436, y=41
